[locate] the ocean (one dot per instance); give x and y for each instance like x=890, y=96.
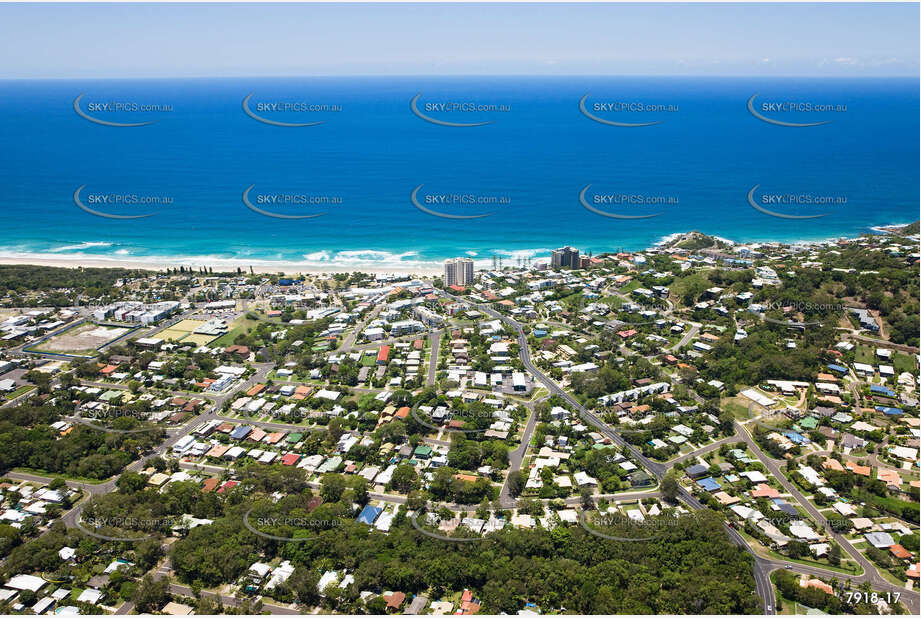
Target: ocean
x=541, y=173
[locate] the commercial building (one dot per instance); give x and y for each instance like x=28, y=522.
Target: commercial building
x=133, y=311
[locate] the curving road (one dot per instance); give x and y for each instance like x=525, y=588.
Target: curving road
x=762, y=567
x=761, y=573
x=870, y=574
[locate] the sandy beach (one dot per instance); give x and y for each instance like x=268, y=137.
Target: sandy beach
x=327, y=266
x=220, y=265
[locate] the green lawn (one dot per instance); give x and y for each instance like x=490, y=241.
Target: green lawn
x=735, y=405
x=240, y=327
x=22, y=390
x=903, y=362
x=55, y=475
x=612, y=301
x=572, y=301
x=865, y=354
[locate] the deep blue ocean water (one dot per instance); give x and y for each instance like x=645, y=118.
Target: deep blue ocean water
x=538, y=152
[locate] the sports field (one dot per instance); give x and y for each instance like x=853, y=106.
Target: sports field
x=183, y=331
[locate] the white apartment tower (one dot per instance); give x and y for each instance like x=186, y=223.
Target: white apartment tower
x=459, y=271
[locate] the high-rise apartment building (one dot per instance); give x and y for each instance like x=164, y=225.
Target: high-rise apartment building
x=565, y=257
x=459, y=271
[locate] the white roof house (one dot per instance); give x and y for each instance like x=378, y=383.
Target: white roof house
x=25, y=582
x=90, y=595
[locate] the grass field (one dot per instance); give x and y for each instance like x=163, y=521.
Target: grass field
x=900, y=361
x=737, y=405
x=22, y=390
x=180, y=329
x=865, y=354
x=199, y=339
x=55, y=475
x=612, y=301
x=903, y=362
x=183, y=331
x=241, y=325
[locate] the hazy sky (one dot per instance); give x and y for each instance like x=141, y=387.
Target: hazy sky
x=144, y=40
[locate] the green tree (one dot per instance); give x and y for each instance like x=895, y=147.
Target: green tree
x=834, y=555
x=516, y=482
x=151, y=594
x=404, y=478
x=130, y=482
x=331, y=487
x=670, y=485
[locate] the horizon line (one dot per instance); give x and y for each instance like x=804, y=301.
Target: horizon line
x=463, y=75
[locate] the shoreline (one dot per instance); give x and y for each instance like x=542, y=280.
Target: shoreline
x=226, y=265
x=287, y=267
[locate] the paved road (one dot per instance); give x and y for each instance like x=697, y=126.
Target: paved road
x=122, y=387
x=854, y=334
x=762, y=582
x=695, y=328
x=706, y=449
x=517, y=456
x=435, y=339
x=186, y=591
x=349, y=340
x=871, y=575
x=762, y=567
